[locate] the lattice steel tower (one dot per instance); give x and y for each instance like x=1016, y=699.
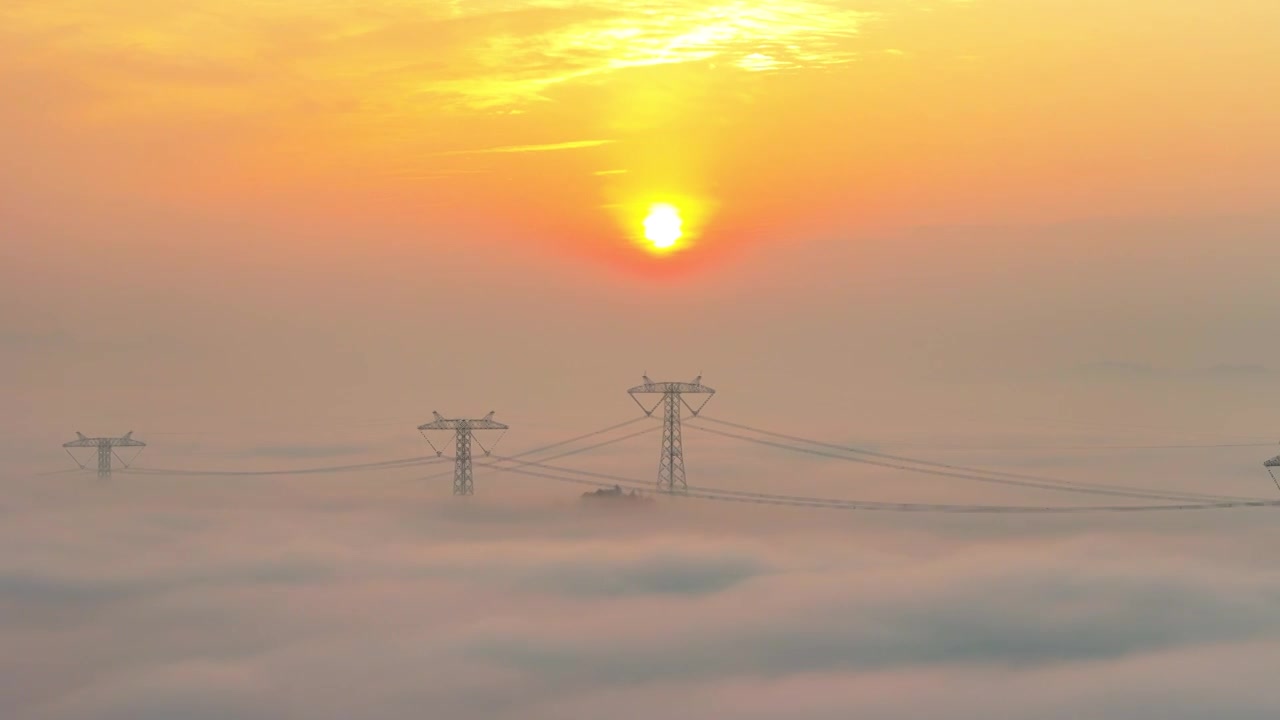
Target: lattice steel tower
x=462, y=477
x=671, y=464
x=106, y=449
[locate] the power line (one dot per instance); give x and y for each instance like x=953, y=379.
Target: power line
x=496, y=467
x=1184, y=446
x=995, y=509
x=522, y=467
x=59, y=472
x=963, y=473
x=342, y=425
x=1031, y=448
x=584, y=436
x=384, y=465
x=1008, y=480
x=813, y=501
x=513, y=463
x=576, y=451
x=848, y=505
x=969, y=470
x=1136, y=428
x=559, y=468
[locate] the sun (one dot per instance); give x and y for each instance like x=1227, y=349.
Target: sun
x=663, y=226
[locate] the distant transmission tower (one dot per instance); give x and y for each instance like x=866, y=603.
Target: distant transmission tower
x=106, y=448
x=671, y=464
x=462, y=479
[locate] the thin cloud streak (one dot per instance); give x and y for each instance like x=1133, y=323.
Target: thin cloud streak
x=548, y=147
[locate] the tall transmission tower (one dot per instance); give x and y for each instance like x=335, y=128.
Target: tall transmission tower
x=671, y=465
x=106, y=449
x=463, y=429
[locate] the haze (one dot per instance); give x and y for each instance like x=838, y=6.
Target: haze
x=1026, y=235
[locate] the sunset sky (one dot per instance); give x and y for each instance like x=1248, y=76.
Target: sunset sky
x=548, y=123
x=267, y=232
x=211, y=176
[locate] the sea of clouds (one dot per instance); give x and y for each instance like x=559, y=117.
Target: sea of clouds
x=154, y=598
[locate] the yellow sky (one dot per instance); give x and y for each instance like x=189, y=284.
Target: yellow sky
x=762, y=119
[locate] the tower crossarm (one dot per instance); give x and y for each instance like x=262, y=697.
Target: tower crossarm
x=463, y=430
x=674, y=391
x=665, y=387
x=442, y=423
x=125, y=441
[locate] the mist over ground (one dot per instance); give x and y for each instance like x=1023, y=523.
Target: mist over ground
x=378, y=596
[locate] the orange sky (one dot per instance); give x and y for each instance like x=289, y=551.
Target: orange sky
x=558, y=120
x=399, y=205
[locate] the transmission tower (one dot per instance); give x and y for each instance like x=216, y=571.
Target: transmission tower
x=671, y=463
x=106, y=449
x=463, y=429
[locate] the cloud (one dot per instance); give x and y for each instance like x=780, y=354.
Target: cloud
x=558, y=42
x=962, y=615
x=50, y=594
x=549, y=147
x=670, y=573
x=304, y=598
x=1216, y=682
x=492, y=53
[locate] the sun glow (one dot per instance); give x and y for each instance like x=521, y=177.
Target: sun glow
x=663, y=226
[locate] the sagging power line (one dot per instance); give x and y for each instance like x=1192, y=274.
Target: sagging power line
x=370, y=466
x=928, y=467
x=560, y=443
x=672, y=477
x=561, y=474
